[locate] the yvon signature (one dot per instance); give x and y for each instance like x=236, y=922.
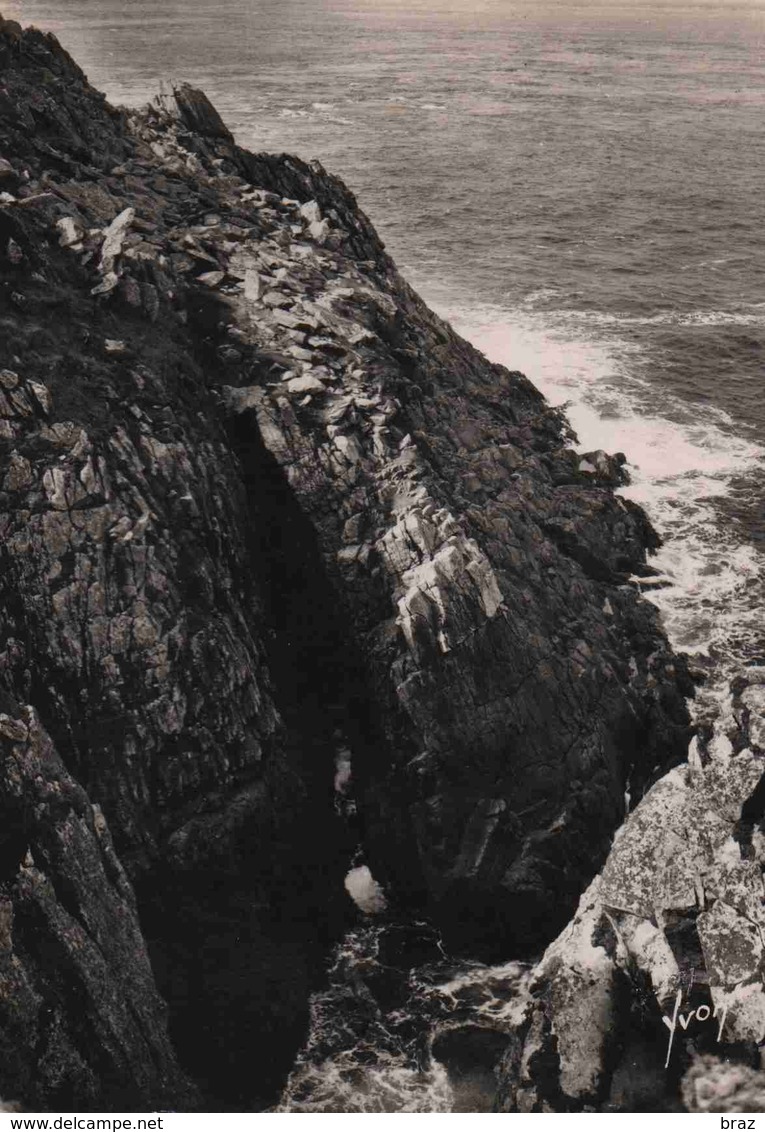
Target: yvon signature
x=700, y=1013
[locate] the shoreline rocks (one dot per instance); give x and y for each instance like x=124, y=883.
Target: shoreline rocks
x=656, y=986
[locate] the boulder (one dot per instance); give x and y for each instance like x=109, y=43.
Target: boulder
x=311, y=212
x=198, y=114
x=603, y=468
x=713, y=1085
x=114, y=237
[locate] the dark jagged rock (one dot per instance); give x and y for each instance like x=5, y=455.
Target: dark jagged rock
x=79, y=1010
x=257, y=501
x=607, y=470
x=198, y=114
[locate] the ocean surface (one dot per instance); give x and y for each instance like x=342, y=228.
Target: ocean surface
x=579, y=188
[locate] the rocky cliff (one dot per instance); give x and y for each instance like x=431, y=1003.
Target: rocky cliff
x=263, y=513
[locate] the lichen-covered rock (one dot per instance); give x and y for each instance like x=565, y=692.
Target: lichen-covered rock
x=258, y=503
x=664, y=960
x=712, y=1085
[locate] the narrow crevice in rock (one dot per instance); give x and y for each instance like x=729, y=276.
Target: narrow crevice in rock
x=317, y=675
x=212, y=968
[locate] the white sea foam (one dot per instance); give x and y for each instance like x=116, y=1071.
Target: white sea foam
x=489, y=996
x=354, y=1059
x=340, y=1084
x=359, y=1058
x=364, y=890
x=682, y=459
x=754, y=317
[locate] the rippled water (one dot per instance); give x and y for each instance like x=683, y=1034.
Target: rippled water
x=578, y=186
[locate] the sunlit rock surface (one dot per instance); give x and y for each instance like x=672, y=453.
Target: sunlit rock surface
x=663, y=967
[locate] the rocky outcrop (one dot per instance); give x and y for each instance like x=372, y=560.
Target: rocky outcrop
x=661, y=971
x=512, y=682
x=79, y=1007
x=258, y=504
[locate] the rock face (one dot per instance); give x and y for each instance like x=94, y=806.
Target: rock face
x=258, y=503
x=661, y=971
x=77, y=983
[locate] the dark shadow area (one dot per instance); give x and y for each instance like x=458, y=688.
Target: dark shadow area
x=239, y=945
x=470, y=1055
